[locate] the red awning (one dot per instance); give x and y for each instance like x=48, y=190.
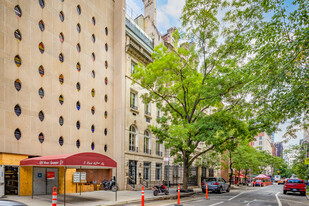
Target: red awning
x=88, y=159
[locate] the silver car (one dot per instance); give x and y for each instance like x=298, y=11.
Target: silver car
x=10, y=203
x=215, y=184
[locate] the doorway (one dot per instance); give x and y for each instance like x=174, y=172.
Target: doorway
x=11, y=180
x=132, y=171
x=44, y=179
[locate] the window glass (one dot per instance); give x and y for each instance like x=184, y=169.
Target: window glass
x=78, y=143
x=92, y=110
x=61, y=37
x=60, y=141
x=78, y=28
x=106, y=31
x=158, y=171
x=133, y=64
x=92, y=145
x=78, y=125
x=92, y=92
x=132, y=138
x=18, y=11
x=61, y=80
x=41, y=71
x=42, y=3
x=147, y=142
x=17, y=110
x=17, y=84
x=17, y=35
x=93, y=38
x=61, y=16
x=41, y=116
x=78, y=47
x=147, y=169
x=17, y=134
x=61, y=121
x=41, y=47
x=41, y=137
x=92, y=128
x=78, y=67
x=17, y=60
x=41, y=25
x=295, y=181
x=93, y=74
x=41, y=93
x=78, y=105
x=133, y=102
x=78, y=86
x=61, y=58
x=79, y=11
x=93, y=20
x=61, y=99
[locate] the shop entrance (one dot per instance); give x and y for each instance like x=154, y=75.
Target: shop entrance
x=11, y=180
x=132, y=172
x=44, y=179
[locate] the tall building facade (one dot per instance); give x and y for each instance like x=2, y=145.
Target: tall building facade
x=262, y=141
x=279, y=149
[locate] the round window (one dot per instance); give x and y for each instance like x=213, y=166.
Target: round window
x=17, y=11
x=106, y=64
x=106, y=47
x=41, y=71
x=41, y=93
x=17, y=110
x=92, y=145
x=61, y=16
x=79, y=11
x=78, y=86
x=93, y=20
x=78, y=67
x=17, y=84
x=78, y=125
x=17, y=35
x=92, y=128
x=61, y=37
x=61, y=80
x=41, y=25
x=41, y=137
x=92, y=92
x=105, y=148
x=106, y=81
x=106, y=31
x=42, y=3
x=78, y=143
x=93, y=56
x=61, y=99
x=60, y=141
x=17, y=134
x=41, y=116
x=93, y=74
x=105, y=98
x=105, y=131
x=78, y=47
x=41, y=47
x=78, y=28
x=78, y=105
x=61, y=121
x=61, y=58
x=17, y=60
x=92, y=110
x=93, y=38
x=105, y=114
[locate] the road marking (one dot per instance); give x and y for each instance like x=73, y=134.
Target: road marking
x=236, y=196
x=216, y=203
x=278, y=200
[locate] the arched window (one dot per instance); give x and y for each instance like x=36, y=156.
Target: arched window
x=147, y=141
x=133, y=139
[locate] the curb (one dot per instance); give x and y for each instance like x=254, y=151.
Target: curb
x=166, y=197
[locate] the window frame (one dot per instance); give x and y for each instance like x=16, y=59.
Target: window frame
x=147, y=142
x=133, y=135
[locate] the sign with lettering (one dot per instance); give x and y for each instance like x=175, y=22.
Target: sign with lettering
x=50, y=175
x=77, y=178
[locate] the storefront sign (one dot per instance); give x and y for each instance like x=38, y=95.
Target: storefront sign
x=77, y=178
x=50, y=175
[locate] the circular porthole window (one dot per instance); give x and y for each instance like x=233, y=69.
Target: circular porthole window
x=61, y=58
x=61, y=121
x=93, y=20
x=106, y=47
x=93, y=38
x=106, y=31
x=78, y=28
x=78, y=86
x=92, y=145
x=17, y=11
x=17, y=85
x=78, y=67
x=106, y=64
x=77, y=143
x=93, y=74
x=17, y=134
x=78, y=105
x=92, y=92
x=105, y=114
x=106, y=81
x=42, y=3
x=41, y=93
x=60, y=141
x=93, y=56
x=41, y=116
x=78, y=125
x=17, y=34
x=92, y=110
x=41, y=71
x=17, y=110
x=17, y=60
x=61, y=80
x=61, y=37
x=61, y=16
x=105, y=131
x=79, y=11
x=41, y=47
x=78, y=47
x=105, y=98
x=105, y=148
x=92, y=128
x=41, y=137
x=41, y=25
x=61, y=99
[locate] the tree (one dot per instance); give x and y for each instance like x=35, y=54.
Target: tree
x=299, y=153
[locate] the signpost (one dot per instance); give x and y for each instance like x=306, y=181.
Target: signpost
x=168, y=172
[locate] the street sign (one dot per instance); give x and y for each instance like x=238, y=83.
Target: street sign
x=77, y=178
x=307, y=161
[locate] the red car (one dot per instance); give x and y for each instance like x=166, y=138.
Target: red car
x=295, y=185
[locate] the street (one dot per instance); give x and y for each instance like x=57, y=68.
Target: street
x=265, y=196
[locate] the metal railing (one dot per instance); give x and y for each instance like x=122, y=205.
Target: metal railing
x=148, y=113
x=159, y=153
x=134, y=107
x=147, y=151
x=132, y=148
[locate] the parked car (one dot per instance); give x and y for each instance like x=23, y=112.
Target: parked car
x=215, y=184
x=258, y=183
x=295, y=185
x=10, y=203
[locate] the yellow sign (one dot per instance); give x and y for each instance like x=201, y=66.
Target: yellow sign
x=278, y=171
x=307, y=161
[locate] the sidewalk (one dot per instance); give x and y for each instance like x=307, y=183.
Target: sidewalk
x=96, y=198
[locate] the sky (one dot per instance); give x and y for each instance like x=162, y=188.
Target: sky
x=168, y=14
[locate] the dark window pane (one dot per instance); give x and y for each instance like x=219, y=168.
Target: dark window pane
x=92, y=145
x=17, y=84
x=93, y=20
x=78, y=86
x=61, y=141
x=61, y=59
x=17, y=60
x=78, y=125
x=61, y=99
x=17, y=110
x=41, y=71
x=17, y=134
x=41, y=116
x=42, y=3
x=61, y=37
x=77, y=143
x=61, y=16
x=41, y=137
x=17, y=35
x=17, y=11
x=41, y=47
x=41, y=25
x=106, y=31
x=61, y=120
x=78, y=67
x=41, y=93
x=61, y=80
x=79, y=11
x=78, y=105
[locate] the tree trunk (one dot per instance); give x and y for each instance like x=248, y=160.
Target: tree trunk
x=231, y=174
x=246, y=171
x=185, y=173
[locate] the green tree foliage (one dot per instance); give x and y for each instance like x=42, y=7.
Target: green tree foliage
x=299, y=153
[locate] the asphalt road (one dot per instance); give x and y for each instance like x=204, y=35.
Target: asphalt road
x=265, y=196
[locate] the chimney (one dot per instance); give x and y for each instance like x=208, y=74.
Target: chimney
x=150, y=10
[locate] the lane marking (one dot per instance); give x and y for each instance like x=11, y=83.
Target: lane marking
x=216, y=203
x=236, y=196
x=278, y=200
